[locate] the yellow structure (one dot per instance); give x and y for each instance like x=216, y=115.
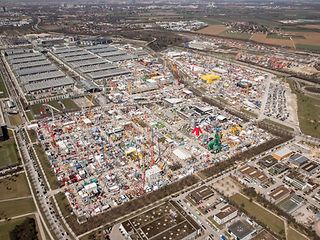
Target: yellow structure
x=133, y=154
x=210, y=77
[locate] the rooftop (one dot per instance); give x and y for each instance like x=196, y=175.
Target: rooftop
x=241, y=229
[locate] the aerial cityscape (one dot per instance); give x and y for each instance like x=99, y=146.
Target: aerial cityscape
x=159, y=120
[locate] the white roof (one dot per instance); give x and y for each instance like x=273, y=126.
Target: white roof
x=283, y=152
x=90, y=186
x=174, y=100
x=87, y=121
x=221, y=117
x=182, y=153
x=153, y=170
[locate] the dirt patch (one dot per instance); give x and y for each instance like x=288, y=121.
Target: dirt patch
x=311, y=26
x=213, y=29
x=82, y=102
x=311, y=38
x=262, y=38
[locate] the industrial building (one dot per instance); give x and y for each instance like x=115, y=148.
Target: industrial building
x=282, y=153
x=225, y=214
x=92, y=62
x=36, y=74
x=241, y=230
x=167, y=221
x=280, y=193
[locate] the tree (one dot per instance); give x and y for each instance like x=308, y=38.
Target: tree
x=25, y=230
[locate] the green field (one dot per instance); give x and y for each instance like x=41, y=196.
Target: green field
x=308, y=47
x=8, y=153
x=308, y=112
x=242, y=36
x=33, y=135
x=70, y=104
x=16, y=207
x=273, y=222
x=277, y=36
x=3, y=89
x=13, y=187
x=15, y=119
x=63, y=204
x=46, y=166
x=294, y=235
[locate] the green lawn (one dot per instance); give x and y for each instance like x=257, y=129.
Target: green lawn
x=36, y=108
x=56, y=105
x=70, y=104
x=308, y=47
x=308, y=112
x=274, y=223
x=13, y=187
x=16, y=207
x=15, y=119
x=294, y=235
x=30, y=115
x=3, y=89
x=46, y=166
x=33, y=135
x=63, y=204
x=8, y=153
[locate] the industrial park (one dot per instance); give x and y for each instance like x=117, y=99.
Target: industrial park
x=176, y=133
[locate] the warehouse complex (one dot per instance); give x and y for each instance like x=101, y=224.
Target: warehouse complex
x=36, y=74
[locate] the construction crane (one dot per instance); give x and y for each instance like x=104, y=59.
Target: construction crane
x=90, y=115
x=174, y=69
x=49, y=129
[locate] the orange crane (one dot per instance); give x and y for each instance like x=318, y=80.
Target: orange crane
x=173, y=67
x=150, y=141
x=90, y=115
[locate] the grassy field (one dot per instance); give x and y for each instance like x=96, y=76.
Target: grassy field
x=3, y=89
x=33, y=135
x=56, y=105
x=13, y=187
x=279, y=125
x=63, y=204
x=8, y=153
x=16, y=207
x=308, y=112
x=277, y=36
x=294, y=235
x=273, y=222
x=15, y=119
x=70, y=104
x=46, y=166
x=38, y=108
x=308, y=47
x=242, y=36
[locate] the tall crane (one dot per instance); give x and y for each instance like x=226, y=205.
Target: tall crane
x=90, y=115
x=173, y=67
